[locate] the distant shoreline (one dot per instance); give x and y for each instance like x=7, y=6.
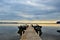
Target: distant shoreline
x=24, y=23
x=55, y=25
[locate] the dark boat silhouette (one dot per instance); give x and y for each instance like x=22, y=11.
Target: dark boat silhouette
x=58, y=31
x=58, y=22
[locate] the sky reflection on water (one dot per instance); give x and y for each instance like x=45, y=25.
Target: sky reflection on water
x=10, y=33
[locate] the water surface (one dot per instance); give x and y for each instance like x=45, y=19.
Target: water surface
x=10, y=33
x=50, y=33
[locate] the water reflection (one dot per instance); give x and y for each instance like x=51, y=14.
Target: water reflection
x=10, y=33
x=50, y=33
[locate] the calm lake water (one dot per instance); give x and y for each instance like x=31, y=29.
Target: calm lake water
x=10, y=33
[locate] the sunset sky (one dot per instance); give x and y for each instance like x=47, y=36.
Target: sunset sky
x=29, y=9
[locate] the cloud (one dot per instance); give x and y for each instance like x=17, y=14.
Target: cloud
x=30, y=3
x=26, y=16
x=30, y=9
x=43, y=17
x=37, y=5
